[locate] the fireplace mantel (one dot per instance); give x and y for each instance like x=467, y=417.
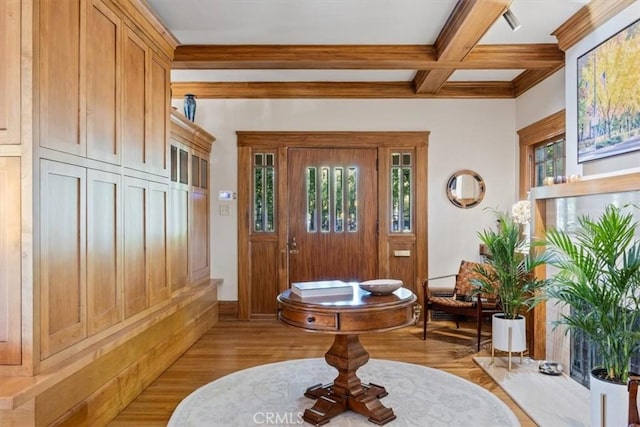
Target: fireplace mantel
x=599, y=191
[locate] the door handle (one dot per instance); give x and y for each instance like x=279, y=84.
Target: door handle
x=293, y=246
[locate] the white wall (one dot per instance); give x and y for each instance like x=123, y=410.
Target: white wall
x=465, y=134
x=541, y=101
x=602, y=33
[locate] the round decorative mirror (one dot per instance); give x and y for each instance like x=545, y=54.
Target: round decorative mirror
x=465, y=189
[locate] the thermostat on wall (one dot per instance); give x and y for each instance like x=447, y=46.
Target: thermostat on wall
x=226, y=195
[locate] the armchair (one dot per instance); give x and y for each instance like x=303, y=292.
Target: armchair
x=462, y=302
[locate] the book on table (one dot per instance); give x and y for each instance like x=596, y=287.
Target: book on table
x=321, y=288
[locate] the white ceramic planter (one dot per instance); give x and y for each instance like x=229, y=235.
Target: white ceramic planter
x=509, y=334
x=609, y=403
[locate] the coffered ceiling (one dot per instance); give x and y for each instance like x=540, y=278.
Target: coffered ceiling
x=372, y=48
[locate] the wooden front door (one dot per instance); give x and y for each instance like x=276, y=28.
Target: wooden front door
x=364, y=217
x=332, y=211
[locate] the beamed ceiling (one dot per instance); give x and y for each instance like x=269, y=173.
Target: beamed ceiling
x=372, y=48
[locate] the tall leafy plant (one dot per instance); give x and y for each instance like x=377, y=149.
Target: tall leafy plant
x=509, y=270
x=599, y=278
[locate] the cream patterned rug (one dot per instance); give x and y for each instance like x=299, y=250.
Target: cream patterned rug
x=273, y=395
x=551, y=401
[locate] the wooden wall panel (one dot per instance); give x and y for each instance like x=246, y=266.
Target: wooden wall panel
x=156, y=231
x=10, y=258
x=62, y=256
x=60, y=79
x=264, y=277
x=9, y=72
x=104, y=250
x=135, y=283
x=134, y=99
x=179, y=237
x=102, y=66
x=199, y=253
x=158, y=118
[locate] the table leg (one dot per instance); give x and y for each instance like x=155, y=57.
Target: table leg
x=347, y=391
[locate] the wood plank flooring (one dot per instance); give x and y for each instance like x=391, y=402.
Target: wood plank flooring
x=230, y=346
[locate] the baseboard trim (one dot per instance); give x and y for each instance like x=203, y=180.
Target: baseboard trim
x=228, y=310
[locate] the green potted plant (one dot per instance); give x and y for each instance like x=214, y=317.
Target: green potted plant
x=598, y=277
x=508, y=273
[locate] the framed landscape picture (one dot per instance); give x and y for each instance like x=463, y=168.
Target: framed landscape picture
x=609, y=97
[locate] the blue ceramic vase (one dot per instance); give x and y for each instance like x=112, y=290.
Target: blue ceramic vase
x=190, y=106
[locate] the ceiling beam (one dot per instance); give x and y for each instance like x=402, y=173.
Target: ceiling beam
x=529, y=78
x=346, y=90
x=466, y=25
x=587, y=19
x=363, y=57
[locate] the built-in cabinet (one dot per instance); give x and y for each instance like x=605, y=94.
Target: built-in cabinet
x=189, y=188
x=83, y=115
x=101, y=248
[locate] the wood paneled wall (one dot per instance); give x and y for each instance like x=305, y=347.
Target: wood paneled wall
x=119, y=283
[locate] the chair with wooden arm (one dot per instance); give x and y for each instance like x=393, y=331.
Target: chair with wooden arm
x=463, y=302
x=634, y=415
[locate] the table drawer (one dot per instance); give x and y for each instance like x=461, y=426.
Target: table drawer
x=391, y=318
x=309, y=319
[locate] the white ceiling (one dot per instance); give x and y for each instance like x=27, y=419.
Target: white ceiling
x=343, y=22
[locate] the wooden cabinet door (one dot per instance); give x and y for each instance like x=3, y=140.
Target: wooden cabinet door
x=104, y=250
x=156, y=146
x=145, y=106
x=103, y=91
x=62, y=256
x=10, y=261
x=10, y=72
x=178, y=224
x=134, y=89
x=135, y=275
x=199, y=236
x=156, y=238
x=178, y=237
x=60, y=76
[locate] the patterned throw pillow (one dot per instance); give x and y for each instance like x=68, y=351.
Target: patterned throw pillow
x=464, y=288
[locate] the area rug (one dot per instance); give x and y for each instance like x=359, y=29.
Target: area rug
x=551, y=401
x=273, y=395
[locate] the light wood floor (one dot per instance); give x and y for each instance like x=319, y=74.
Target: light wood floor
x=230, y=346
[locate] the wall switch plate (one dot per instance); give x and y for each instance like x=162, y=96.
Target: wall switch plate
x=225, y=210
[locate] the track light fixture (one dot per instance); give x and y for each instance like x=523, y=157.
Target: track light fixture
x=511, y=20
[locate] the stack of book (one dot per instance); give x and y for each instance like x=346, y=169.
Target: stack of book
x=322, y=288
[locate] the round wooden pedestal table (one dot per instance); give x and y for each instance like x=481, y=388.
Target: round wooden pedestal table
x=347, y=317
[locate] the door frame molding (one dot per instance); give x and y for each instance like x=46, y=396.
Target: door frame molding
x=279, y=143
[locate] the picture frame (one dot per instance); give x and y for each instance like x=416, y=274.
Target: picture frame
x=608, y=96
